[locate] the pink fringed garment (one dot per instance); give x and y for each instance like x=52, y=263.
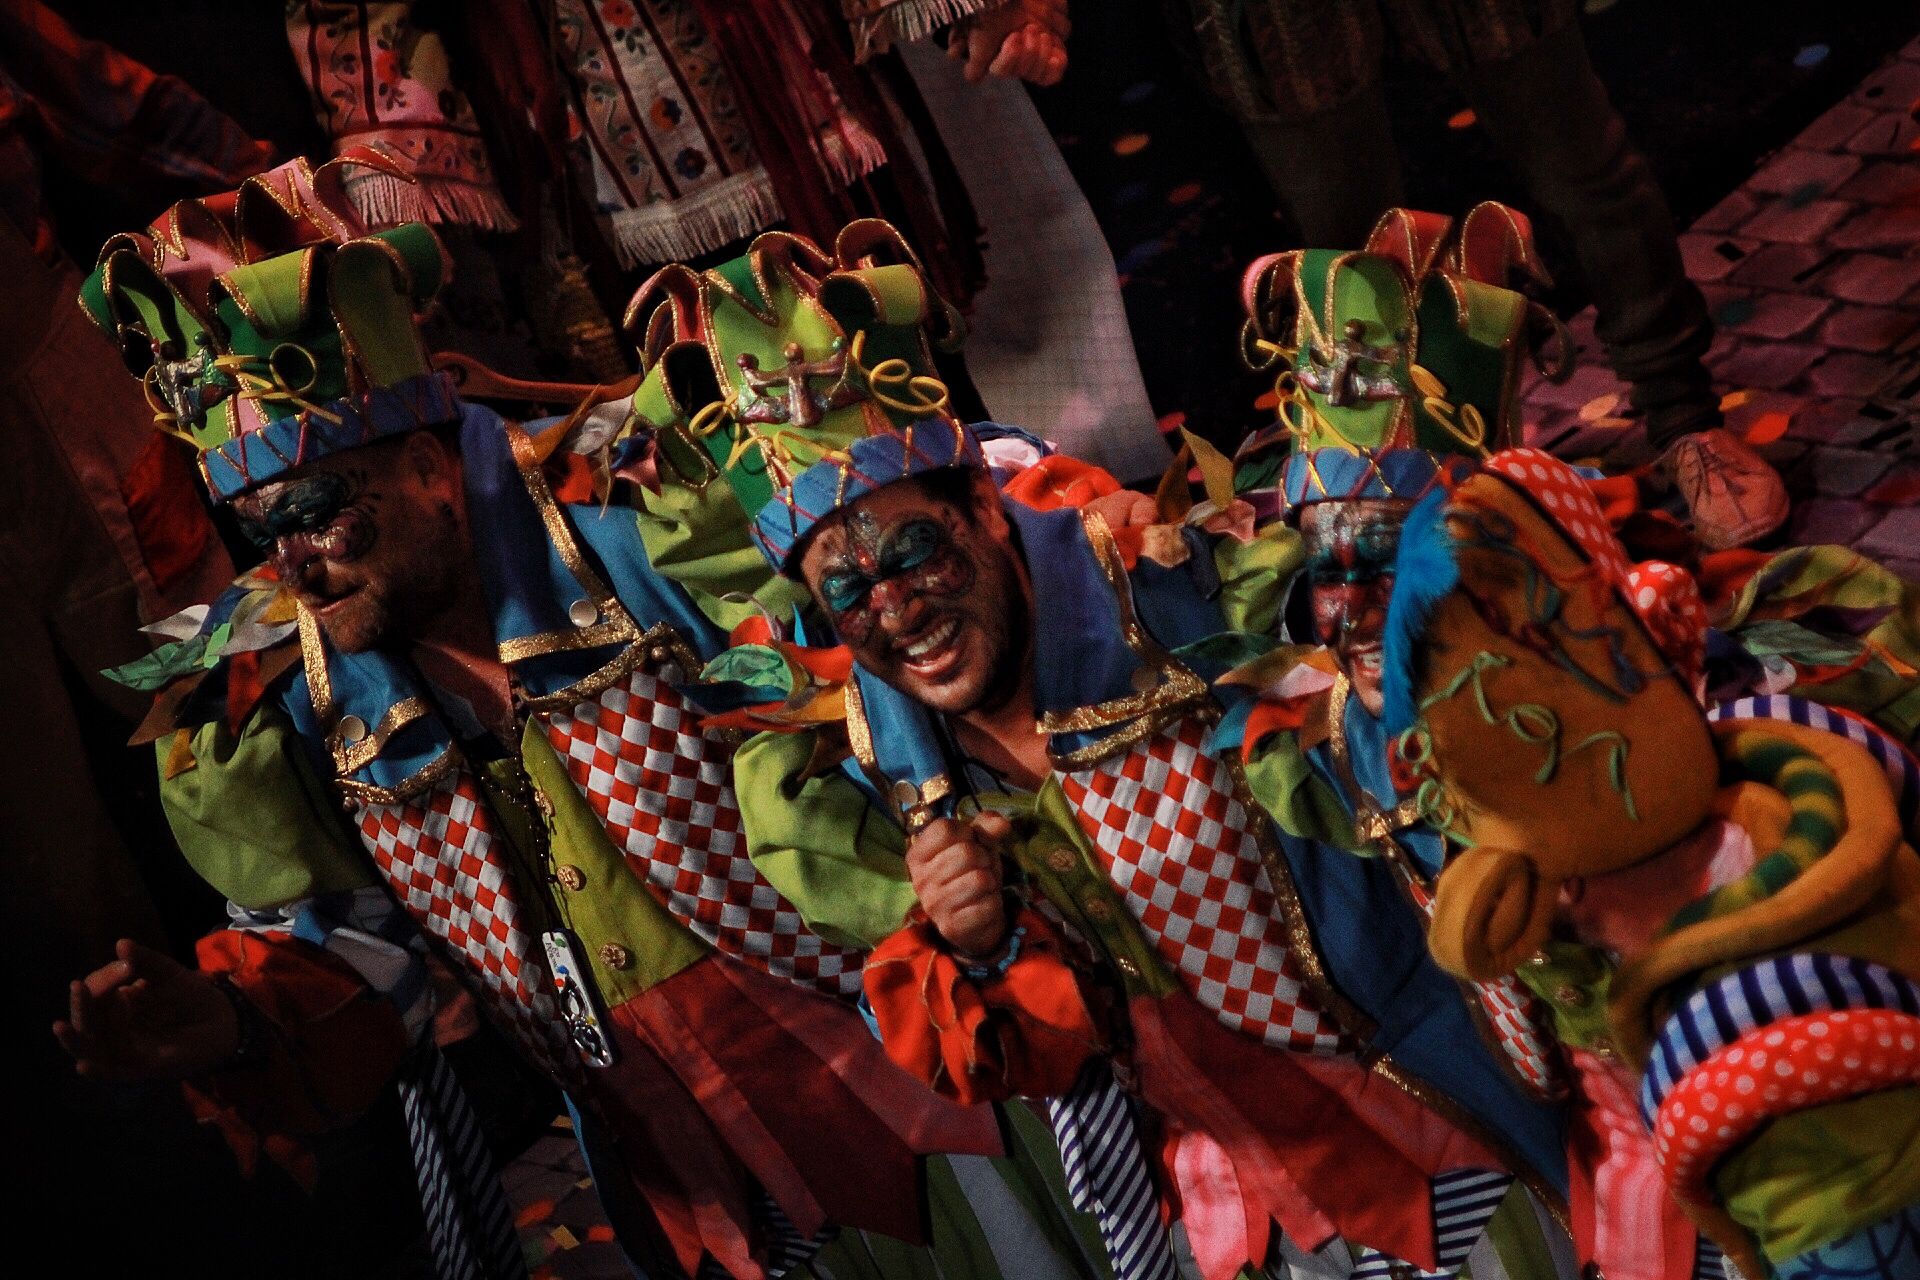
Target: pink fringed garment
x=378, y=78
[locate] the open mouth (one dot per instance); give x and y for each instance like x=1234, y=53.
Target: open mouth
x=1367, y=658
x=932, y=654
x=321, y=606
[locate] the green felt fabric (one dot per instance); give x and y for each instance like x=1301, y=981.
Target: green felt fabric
x=821, y=842
x=699, y=537
x=1255, y=575
x=253, y=818
x=1301, y=802
x=1813, y=1176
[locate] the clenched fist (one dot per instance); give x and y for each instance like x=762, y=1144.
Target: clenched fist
x=955, y=869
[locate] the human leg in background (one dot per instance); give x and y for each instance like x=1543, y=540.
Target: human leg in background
x=1336, y=170
x=1550, y=115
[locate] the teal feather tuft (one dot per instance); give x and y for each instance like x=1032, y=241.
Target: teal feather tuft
x=1424, y=573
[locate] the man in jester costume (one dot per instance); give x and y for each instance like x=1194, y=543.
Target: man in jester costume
x=1411, y=399
x=1350, y=465
x=1720, y=907
x=446, y=721
x=1096, y=908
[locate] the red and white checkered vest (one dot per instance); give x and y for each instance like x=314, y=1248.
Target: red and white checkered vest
x=664, y=790
x=1180, y=847
x=437, y=851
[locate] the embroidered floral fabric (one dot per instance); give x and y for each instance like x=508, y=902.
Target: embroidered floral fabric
x=377, y=78
x=658, y=140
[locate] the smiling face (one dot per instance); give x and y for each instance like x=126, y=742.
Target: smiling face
x=927, y=593
x=1350, y=552
x=369, y=540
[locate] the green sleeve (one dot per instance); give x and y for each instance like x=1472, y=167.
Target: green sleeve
x=1302, y=802
x=1254, y=577
x=1812, y=1176
x=253, y=819
x=821, y=842
x=700, y=539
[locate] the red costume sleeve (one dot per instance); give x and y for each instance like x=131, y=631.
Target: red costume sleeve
x=1060, y=481
x=326, y=1045
x=1025, y=1031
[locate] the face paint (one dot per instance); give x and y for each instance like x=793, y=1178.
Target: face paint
x=928, y=596
x=881, y=569
x=371, y=556
x=329, y=514
x=1350, y=553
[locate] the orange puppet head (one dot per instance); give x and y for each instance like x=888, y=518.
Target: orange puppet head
x=1544, y=689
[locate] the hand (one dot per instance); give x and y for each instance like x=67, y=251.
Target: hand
x=1024, y=39
x=1126, y=509
x=955, y=869
x=147, y=1017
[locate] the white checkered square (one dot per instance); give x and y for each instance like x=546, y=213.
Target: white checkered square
x=1181, y=849
x=436, y=851
x=664, y=790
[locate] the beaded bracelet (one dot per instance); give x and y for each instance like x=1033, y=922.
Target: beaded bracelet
x=998, y=969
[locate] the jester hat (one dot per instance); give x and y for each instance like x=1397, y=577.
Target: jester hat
x=1398, y=363
x=760, y=367
x=270, y=328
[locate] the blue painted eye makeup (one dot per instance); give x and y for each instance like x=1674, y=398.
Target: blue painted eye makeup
x=911, y=546
x=307, y=505
x=844, y=591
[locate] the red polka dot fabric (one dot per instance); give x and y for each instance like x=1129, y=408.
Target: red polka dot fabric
x=1568, y=502
x=1668, y=601
x=1791, y=1065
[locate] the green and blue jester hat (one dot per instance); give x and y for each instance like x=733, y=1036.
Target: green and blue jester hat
x=790, y=354
x=269, y=327
x=1398, y=364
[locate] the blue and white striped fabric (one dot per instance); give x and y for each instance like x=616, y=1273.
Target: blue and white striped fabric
x=1374, y=1265
x=1709, y=1263
x=469, y=1225
x=1107, y=1174
x=1903, y=770
x=1464, y=1201
x=1780, y=987
x=786, y=1247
